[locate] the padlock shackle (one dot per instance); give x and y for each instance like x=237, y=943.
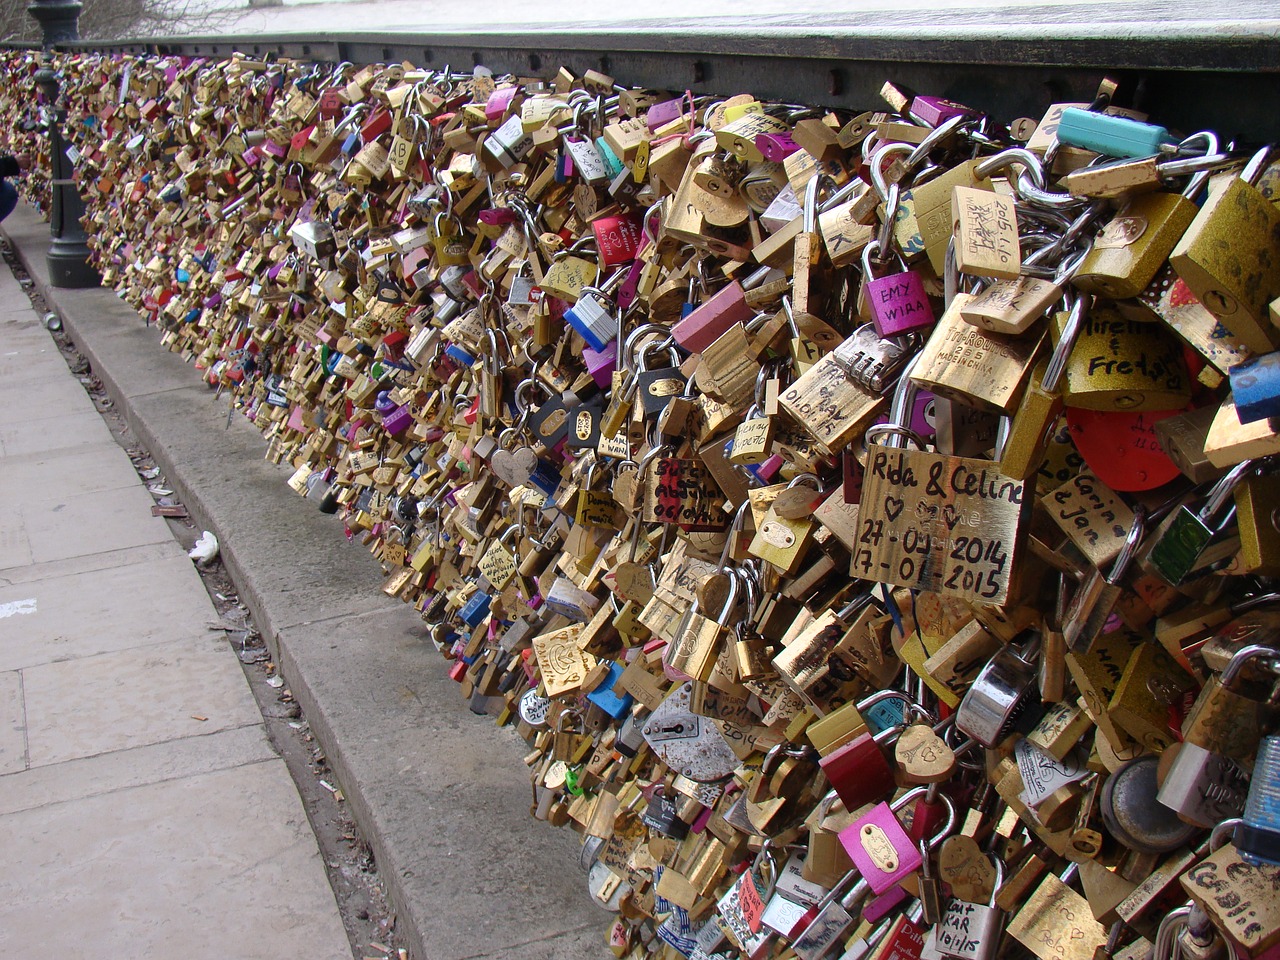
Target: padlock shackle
x=1231, y=672
x=1020, y=157
x=933, y=138
x=1222, y=490
x=1129, y=551
x=1079, y=305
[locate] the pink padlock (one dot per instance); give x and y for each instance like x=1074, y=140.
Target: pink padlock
x=897, y=302
x=935, y=111
x=709, y=320
x=881, y=849
x=776, y=147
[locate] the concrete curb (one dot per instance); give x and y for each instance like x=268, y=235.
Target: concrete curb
x=439, y=793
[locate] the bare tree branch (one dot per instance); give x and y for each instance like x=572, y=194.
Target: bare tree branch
x=121, y=19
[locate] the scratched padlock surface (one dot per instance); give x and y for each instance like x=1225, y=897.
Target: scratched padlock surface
x=390, y=272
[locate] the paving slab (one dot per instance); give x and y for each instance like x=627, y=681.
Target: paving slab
x=114, y=701
x=15, y=546
x=90, y=562
x=51, y=474
x=82, y=614
x=62, y=431
x=83, y=878
x=13, y=728
x=46, y=397
x=90, y=523
x=441, y=794
x=153, y=763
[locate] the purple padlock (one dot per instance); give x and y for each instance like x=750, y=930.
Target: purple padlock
x=776, y=147
x=935, y=111
x=397, y=421
x=601, y=363
x=660, y=114
x=897, y=302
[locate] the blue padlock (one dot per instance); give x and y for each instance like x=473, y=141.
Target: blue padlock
x=1257, y=836
x=475, y=609
x=611, y=161
x=1255, y=387
x=1113, y=136
x=604, y=697
x=457, y=353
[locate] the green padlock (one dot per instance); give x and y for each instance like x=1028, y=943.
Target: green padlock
x=1177, y=554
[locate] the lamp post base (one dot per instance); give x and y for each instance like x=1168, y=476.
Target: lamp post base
x=69, y=267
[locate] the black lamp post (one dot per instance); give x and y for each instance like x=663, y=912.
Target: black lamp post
x=68, y=254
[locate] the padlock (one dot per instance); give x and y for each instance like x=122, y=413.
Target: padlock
x=1202, y=787
x=694, y=650
x=1132, y=815
x=1229, y=256
x=998, y=699
x=1111, y=135
x=880, y=847
x=1092, y=603
x=859, y=770
x=1132, y=248
x=1121, y=364
x=897, y=301
x=970, y=931
x=593, y=315
x=1232, y=709
x=871, y=360
x=1179, y=551
x=1257, y=835
x=1255, y=387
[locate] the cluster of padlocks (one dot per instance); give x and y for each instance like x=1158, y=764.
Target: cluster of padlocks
x=866, y=520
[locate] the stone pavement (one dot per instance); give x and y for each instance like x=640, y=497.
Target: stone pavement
x=441, y=795
x=142, y=810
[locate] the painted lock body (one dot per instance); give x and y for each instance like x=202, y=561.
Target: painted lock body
x=1255, y=387
x=1110, y=135
x=1257, y=837
x=1230, y=256
x=1121, y=364
x=897, y=301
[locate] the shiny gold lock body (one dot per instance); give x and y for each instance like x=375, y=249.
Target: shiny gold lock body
x=1120, y=364
x=1134, y=246
x=1230, y=256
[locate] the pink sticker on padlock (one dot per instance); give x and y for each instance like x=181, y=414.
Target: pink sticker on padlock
x=880, y=848
x=898, y=304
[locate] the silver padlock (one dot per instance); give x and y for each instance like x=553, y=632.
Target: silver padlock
x=1203, y=787
x=970, y=931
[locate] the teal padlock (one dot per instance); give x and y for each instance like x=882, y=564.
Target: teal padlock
x=1109, y=135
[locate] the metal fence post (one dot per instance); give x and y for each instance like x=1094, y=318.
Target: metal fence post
x=68, y=256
